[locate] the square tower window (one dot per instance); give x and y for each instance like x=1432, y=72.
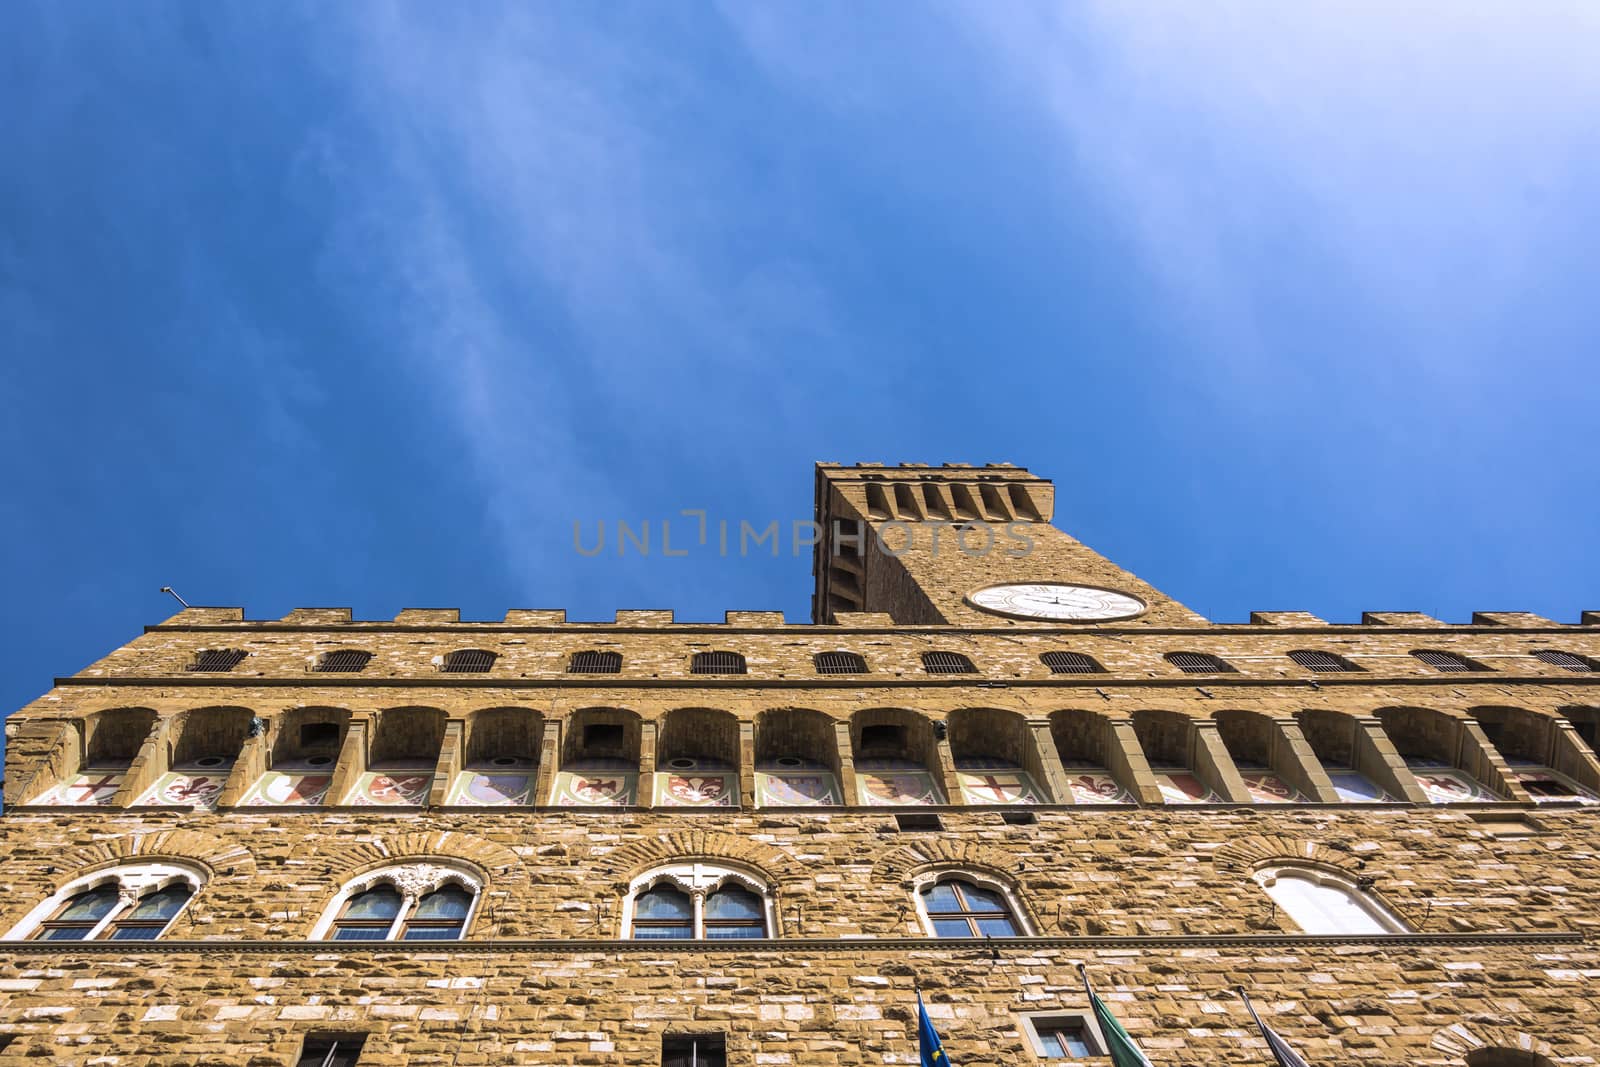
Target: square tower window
x=694, y=1050
x=331, y=1050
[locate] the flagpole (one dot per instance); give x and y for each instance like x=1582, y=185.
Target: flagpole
x=1251, y=1008
x=1083, y=972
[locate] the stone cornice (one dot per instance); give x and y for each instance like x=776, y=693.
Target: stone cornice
x=800, y=628
x=793, y=946
x=746, y=681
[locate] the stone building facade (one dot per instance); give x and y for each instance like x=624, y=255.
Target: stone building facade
x=991, y=755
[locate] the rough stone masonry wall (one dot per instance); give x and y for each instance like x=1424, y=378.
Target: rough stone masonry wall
x=1380, y=1007
x=560, y=875
x=251, y=991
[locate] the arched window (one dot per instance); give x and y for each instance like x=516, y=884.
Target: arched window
x=717, y=663
x=133, y=903
x=1071, y=663
x=595, y=663
x=697, y=900
x=1322, y=662
x=409, y=902
x=960, y=905
x=1199, y=663
x=1447, y=662
x=343, y=661
x=947, y=663
x=1320, y=902
x=467, y=661
x=839, y=663
x=1569, y=661
x=216, y=659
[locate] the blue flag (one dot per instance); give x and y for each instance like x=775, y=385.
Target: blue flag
x=928, y=1043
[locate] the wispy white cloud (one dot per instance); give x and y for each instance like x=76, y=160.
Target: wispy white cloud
x=553, y=223
x=1420, y=145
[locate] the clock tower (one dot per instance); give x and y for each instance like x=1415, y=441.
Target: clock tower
x=969, y=546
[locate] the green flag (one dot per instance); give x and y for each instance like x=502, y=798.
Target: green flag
x=1124, y=1053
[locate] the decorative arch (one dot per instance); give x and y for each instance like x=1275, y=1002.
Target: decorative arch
x=902, y=865
x=1464, y=1040
x=1249, y=853
x=495, y=861
x=214, y=854
x=1447, y=761
x=622, y=864
x=996, y=759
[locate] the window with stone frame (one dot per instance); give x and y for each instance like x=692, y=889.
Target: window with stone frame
x=331, y=1050
x=694, y=1050
x=135, y=902
x=424, y=901
x=697, y=901
x=962, y=904
x=1323, y=902
x=1063, y=1035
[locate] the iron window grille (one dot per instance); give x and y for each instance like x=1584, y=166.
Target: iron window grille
x=1071, y=663
x=1570, y=661
x=468, y=661
x=595, y=663
x=217, y=659
x=839, y=663
x=947, y=663
x=1199, y=663
x=694, y=1050
x=1448, y=662
x=343, y=661
x=717, y=663
x=1322, y=662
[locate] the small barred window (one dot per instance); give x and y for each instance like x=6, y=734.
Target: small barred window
x=1071, y=663
x=343, y=661
x=1570, y=661
x=1199, y=663
x=839, y=663
x=1448, y=662
x=947, y=663
x=467, y=661
x=717, y=663
x=331, y=1050
x=217, y=659
x=595, y=663
x=1322, y=662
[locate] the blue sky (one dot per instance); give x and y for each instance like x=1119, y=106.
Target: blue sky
x=365, y=305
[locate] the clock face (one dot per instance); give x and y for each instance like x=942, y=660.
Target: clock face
x=1053, y=600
